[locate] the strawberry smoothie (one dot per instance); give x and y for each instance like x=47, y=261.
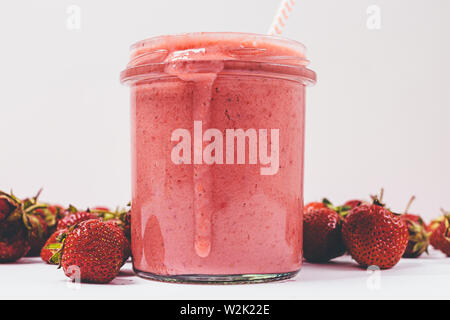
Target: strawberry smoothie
x=217, y=156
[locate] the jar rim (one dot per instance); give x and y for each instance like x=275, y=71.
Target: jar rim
x=281, y=41
x=215, y=46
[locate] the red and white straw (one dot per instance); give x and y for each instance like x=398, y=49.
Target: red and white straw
x=281, y=17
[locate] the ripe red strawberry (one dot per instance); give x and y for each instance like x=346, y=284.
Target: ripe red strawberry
x=437, y=222
x=73, y=218
x=125, y=244
x=324, y=204
x=322, y=239
x=42, y=223
x=38, y=235
x=127, y=225
x=52, y=214
x=100, y=208
x=18, y=226
x=14, y=242
x=5, y=208
x=121, y=217
x=344, y=210
x=353, y=203
x=375, y=236
x=56, y=209
x=313, y=206
x=418, y=234
x=440, y=237
x=95, y=249
x=51, y=246
x=48, y=218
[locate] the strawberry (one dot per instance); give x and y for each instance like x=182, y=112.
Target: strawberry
x=344, y=210
x=127, y=225
x=436, y=222
x=322, y=239
x=121, y=217
x=353, y=203
x=94, y=248
x=440, y=237
x=48, y=217
x=51, y=246
x=38, y=235
x=14, y=242
x=125, y=244
x=5, y=208
x=418, y=234
x=75, y=217
x=324, y=204
x=52, y=214
x=18, y=227
x=313, y=206
x=100, y=208
x=56, y=210
x=8, y=204
x=375, y=236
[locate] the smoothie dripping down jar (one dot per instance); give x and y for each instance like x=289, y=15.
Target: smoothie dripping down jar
x=217, y=156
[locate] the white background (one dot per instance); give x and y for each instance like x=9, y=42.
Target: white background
x=378, y=116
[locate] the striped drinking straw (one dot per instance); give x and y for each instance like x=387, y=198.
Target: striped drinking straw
x=281, y=17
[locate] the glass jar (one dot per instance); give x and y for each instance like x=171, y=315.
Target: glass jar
x=217, y=156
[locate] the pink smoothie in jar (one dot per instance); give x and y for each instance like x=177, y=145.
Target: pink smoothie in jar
x=217, y=156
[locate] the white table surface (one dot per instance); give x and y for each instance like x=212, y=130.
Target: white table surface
x=427, y=277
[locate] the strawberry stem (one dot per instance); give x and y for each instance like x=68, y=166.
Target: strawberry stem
x=34, y=207
x=378, y=200
x=38, y=194
x=409, y=203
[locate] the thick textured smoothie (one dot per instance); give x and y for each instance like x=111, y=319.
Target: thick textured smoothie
x=217, y=146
